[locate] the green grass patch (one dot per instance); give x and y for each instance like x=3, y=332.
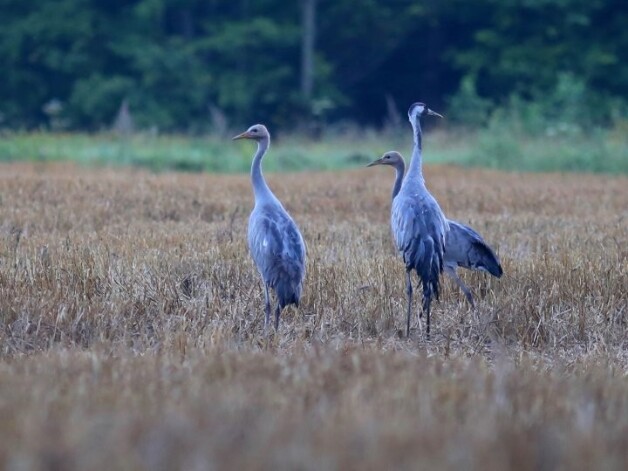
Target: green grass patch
x=496, y=147
x=598, y=152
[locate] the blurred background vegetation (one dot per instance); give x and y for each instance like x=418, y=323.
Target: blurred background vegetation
x=526, y=84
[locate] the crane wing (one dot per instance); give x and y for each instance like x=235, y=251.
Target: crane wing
x=466, y=248
x=416, y=223
x=419, y=229
x=278, y=249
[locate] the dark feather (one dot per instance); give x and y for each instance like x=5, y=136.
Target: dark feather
x=279, y=252
x=467, y=249
x=420, y=240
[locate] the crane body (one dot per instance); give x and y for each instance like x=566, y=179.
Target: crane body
x=418, y=225
x=465, y=247
x=275, y=242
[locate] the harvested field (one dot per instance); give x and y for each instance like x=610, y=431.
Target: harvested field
x=131, y=326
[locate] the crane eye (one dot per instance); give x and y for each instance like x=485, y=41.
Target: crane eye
x=387, y=157
x=254, y=130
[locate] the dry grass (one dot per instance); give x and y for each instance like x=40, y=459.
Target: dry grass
x=131, y=327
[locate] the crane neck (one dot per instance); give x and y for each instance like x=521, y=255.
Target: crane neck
x=260, y=188
x=400, y=169
x=415, y=171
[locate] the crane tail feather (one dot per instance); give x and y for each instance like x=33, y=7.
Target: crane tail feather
x=429, y=265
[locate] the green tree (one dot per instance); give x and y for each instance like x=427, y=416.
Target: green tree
x=174, y=59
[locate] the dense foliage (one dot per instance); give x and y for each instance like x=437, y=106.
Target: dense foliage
x=180, y=63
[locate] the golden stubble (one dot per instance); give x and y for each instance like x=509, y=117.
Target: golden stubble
x=131, y=326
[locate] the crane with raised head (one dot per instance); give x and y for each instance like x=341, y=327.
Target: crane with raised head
x=275, y=242
x=465, y=247
x=418, y=224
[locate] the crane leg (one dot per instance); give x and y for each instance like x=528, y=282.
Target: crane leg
x=467, y=292
x=277, y=313
x=428, y=322
x=409, y=293
x=266, y=308
x=426, y=308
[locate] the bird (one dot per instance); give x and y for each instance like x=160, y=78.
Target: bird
x=418, y=224
x=465, y=247
x=275, y=242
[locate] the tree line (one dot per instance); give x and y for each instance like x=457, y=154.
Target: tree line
x=182, y=64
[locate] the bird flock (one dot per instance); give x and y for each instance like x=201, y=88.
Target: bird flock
x=429, y=244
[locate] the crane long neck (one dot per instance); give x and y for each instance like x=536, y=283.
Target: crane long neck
x=400, y=169
x=260, y=188
x=416, y=171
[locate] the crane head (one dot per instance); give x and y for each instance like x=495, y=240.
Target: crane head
x=392, y=158
x=256, y=132
x=419, y=109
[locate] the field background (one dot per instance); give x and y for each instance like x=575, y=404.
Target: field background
x=131, y=325
x=504, y=145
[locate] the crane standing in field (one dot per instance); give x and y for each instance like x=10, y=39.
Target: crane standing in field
x=465, y=247
x=275, y=242
x=418, y=225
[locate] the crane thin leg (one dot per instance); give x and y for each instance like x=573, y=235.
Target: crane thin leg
x=277, y=313
x=409, y=293
x=266, y=307
x=428, y=322
x=426, y=307
x=467, y=292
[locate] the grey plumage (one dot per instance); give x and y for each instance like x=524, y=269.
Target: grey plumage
x=418, y=225
x=275, y=242
x=465, y=247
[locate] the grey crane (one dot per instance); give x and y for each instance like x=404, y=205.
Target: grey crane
x=275, y=242
x=418, y=225
x=465, y=247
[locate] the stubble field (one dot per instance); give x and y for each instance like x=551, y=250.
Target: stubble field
x=131, y=326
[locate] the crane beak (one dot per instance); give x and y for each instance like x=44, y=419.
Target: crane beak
x=375, y=162
x=244, y=135
x=433, y=113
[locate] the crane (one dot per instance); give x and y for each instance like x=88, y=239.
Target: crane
x=275, y=243
x=418, y=224
x=465, y=247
